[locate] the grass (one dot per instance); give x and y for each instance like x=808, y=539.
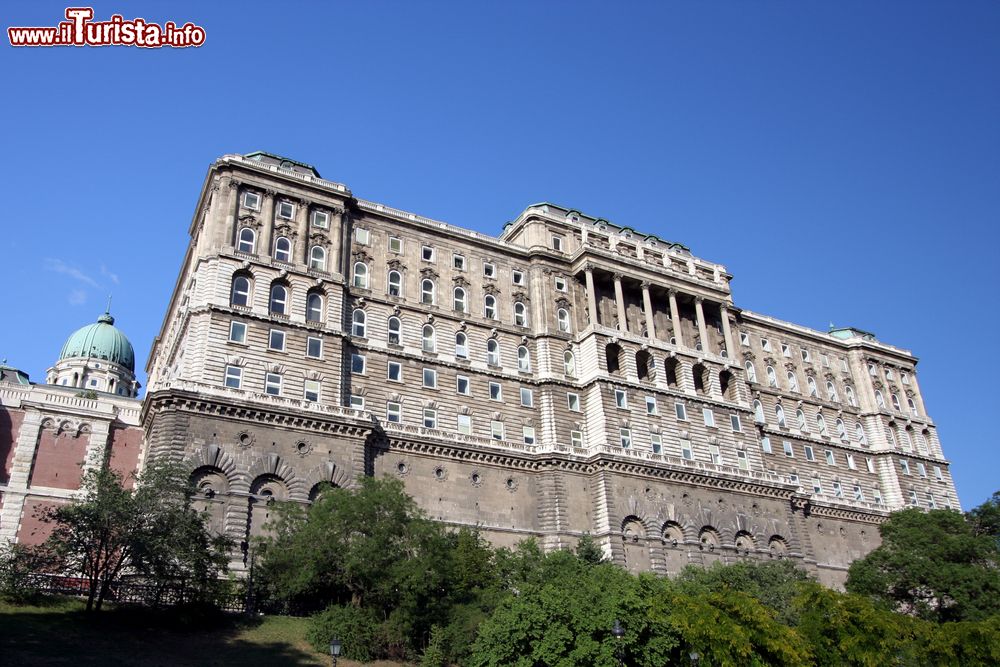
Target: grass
x=57, y=631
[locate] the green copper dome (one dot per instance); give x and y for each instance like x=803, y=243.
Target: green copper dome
x=100, y=341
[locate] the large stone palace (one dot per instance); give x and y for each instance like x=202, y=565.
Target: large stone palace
x=569, y=376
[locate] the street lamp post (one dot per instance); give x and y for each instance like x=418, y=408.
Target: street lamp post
x=618, y=632
x=695, y=658
x=335, y=650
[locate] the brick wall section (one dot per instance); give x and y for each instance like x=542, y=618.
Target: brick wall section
x=126, y=444
x=33, y=530
x=59, y=460
x=10, y=427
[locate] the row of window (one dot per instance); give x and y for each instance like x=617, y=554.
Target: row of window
x=273, y=383
x=428, y=253
x=276, y=340
x=246, y=242
x=786, y=351
x=279, y=297
x=904, y=377
x=285, y=210
x=800, y=419
x=793, y=384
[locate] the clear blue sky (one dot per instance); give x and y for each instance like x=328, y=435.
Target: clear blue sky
x=842, y=159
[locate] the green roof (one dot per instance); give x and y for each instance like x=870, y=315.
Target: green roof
x=100, y=341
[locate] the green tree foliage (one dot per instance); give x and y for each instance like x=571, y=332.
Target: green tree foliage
x=358, y=628
x=588, y=551
x=986, y=518
x=931, y=565
x=773, y=583
x=151, y=532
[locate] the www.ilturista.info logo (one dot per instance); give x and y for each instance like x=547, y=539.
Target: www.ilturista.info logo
x=80, y=30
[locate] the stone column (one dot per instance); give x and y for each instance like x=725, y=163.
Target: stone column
x=620, y=302
x=588, y=274
x=700, y=314
x=337, y=233
x=266, y=224
x=675, y=318
x=225, y=217
x=302, y=228
x=727, y=331
x=20, y=470
x=647, y=305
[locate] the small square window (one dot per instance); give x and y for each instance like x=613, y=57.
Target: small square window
x=320, y=219
x=393, y=413
x=395, y=371
x=831, y=459
x=430, y=378
x=430, y=418
x=765, y=445
x=314, y=347
x=356, y=402
x=681, y=411
x=276, y=340
x=528, y=434
x=734, y=421
x=496, y=430
x=395, y=245
x=427, y=253
x=357, y=363
x=809, y=453
x=576, y=438
x=651, y=408
x=573, y=402
x=557, y=243
x=286, y=210
x=251, y=200
x=489, y=270
x=656, y=443
x=621, y=399
x=625, y=437
x=465, y=424
x=463, y=386
x=708, y=416
x=560, y=284
x=237, y=332
x=361, y=236
x=527, y=397
x=787, y=446
x=272, y=384
x=496, y=393
x=517, y=277
x=312, y=390
x=458, y=262
x=234, y=377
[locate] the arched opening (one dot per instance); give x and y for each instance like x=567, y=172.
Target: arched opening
x=727, y=386
x=314, y=306
x=670, y=372
x=636, y=548
x=240, y=294
x=612, y=354
x=210, y=487
x=278, y=303
x=744, y=543
x=264, y=492
x=644, y=365
x=700, y=375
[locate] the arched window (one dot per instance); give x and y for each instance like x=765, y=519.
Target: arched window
x=879, y=399
x=394, y=329
x=758, y=412
x=428, y=339
x=359, y=323
x=612, y=355
x=241, y=292
x=427, y=292
x=841, y=429
x=811, y=384
x=317, y=260
x=460, y=302
x=520, y=315
x=859, y=433
x=282, y=249
x=523, y=359
x=772, y=378
x=779, y=414
x=895, y=403
x=492, y=352
x=793, y=382
x=908, y=438
x=361, y=275
x=644, y=365
x=279, y=299
x=751, y=371
x=800, y=419
x=314, y=307
x=395, y=283
x=569, y=363
x=821, y=424
x=490, y=307
x=247, y=240
x=461, y=346
x=831, y=392
x=912, y=406
x=562, y=320
x=700, y=375
x=670, y=371
x=851, y=400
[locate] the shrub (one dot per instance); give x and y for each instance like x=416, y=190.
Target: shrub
x=357, y=628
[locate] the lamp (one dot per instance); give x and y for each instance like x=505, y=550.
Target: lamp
x=335, y=647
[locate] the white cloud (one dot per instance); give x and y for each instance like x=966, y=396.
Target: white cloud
x=59, y=266
x=77, y=297
x=113, y=277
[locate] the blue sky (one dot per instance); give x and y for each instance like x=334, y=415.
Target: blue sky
x=841, y=159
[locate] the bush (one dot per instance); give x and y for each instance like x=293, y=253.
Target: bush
x=434, y=655
x=358, y=629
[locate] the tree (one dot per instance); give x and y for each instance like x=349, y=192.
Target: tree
x=151, y=531
x=986, y=518
x=588, y=551
x=933, y=566
x=772, y=583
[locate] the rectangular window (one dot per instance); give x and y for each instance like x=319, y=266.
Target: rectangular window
x=458, y=262
x=786, y=351
x=805, y=355
x=395, y=245
x=877, y=495
x=251, y=200
x=765, y=344
x=430, y=418
x=393, y=412
x=826, y=360
x=904, y=466
x=870, y=464
x=656, y=442
x=430, y=378
x=913, y=497
x=621, y=399
x=625, y=437
x=527, y=397
x=237, y=332
x=850, y=462
x=715, y=454
x=361, y=236
x=830, y=459
x=734, y=420
x=904, y=378
x=395, y=371
x=744, y=338
x=576, y=438
x=787, y=446
x=463, y=386
x=809, y=453
x=838, y=490
x=793, y=478
x=843, y=365
x=557, y=243
x=314, y=347
x=921, y=469
x=858, y=493
x=680, y=411
x=320, y=219
x=741, y=460
x=686, y=452
x=573, y=402
x=765, y=445
x=489, y=270
x=496, y=392
x=465, y=424
x=708, y=416
x=817, y=486
x=517, y=277
x=528, y=435
x=312, y=388
x=938, y=475
x=560, y=284
x=651, y=406
x=286, y=210
x=427, y=253
x=234, y=377
x=276, y=340
x=358, y=364
x=930, y=501
x=357, y=402
x=496, y=430
x=272, y=384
